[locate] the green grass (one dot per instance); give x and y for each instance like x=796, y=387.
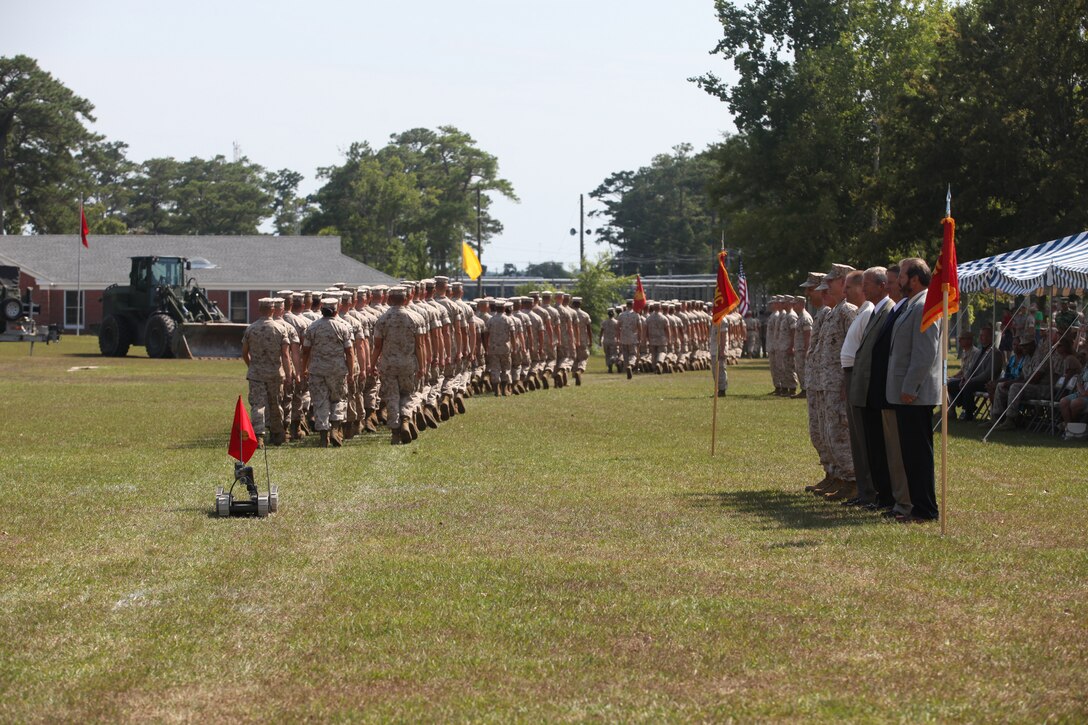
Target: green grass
x=565, y=555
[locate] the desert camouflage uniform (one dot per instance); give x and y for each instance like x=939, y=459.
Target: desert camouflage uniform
x=829, y=379
x=398, y=328
x=327, y=338
x=500, y=334
x=266, y=338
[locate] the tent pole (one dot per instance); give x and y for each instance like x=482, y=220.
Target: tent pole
x=1049, y=322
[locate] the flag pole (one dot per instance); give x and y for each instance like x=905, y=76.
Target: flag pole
x=714, y=393
x=79, y=270
x=944, y=380
x=944, y=411
x=717, y=376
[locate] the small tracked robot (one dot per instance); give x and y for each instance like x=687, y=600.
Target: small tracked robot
x=252, y=502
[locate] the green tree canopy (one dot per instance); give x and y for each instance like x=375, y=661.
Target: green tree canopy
x=406, y=207
x=660, y=218
x=43, y=131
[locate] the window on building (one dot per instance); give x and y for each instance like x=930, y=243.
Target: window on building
x=239, y=307
x=73, y=314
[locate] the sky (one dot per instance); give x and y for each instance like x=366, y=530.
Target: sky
x=564, y=93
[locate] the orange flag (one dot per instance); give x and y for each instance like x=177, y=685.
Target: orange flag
x=640, y=294
x=944, y=273
x=243, y=441
x=726, y=298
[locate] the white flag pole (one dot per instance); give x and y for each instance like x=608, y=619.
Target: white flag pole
x=79, y=266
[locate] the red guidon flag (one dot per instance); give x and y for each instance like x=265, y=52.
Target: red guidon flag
x=726, y=298
x=943, y=274
x=83, y=229
x=640, y=294
x=243, y=441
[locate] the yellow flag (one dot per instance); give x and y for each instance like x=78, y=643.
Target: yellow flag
x=470, y=262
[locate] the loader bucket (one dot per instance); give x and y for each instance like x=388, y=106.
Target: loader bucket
x=209, y=339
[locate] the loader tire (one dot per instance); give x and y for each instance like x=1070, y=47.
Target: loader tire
x=114, y=337
x=159, y=336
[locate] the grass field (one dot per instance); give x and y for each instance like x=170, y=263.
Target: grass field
x=565, y=555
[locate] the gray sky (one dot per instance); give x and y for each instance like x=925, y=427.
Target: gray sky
x=562, y=92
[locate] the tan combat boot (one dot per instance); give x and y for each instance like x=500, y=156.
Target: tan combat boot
x=846, y=490
x=830, y=483
x=823, y=482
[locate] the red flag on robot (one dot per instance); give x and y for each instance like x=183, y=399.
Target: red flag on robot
x=243, y=441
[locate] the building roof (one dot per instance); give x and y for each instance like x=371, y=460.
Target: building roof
x=244, y=262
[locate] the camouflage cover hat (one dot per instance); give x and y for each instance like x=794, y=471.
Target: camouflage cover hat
x=814, y=279
x=441, y=279
x=285, y=293
x=264, y=303
x=328, y=301
x=838, y=271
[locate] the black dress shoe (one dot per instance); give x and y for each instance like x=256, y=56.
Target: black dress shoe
x=856, y=501
x=872, y=506
x=889, y=514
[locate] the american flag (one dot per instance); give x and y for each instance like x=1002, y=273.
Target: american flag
x=742, y=291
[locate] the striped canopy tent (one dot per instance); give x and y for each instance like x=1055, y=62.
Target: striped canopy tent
x=1061, y=263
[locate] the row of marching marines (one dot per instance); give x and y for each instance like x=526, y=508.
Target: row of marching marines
x=671, y=336
x=345, y=360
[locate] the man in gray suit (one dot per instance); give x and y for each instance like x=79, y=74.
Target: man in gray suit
x=914, y=386
x=870, y=455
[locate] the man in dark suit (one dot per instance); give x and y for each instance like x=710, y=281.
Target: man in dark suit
x=874, y=483
x=914, y=387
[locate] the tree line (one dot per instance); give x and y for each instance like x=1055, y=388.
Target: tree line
x=403, y=208
x=852, y=118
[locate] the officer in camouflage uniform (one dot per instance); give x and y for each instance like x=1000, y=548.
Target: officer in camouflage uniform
x=295, y=390
x=547, y=355
x=610, y=340
x=583, y=327
x=328, y=355
x=498, y=338
x=829, y=386
x=815, y=431
x=280, y=302
x=399, y=352
x=659, y=333
x=266, y=352
x=801, y=336
x=631, y=333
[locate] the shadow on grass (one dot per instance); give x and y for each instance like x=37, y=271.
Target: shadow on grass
x=208, y=511
x=1019, y=438
x=366, y=439
x=780, y=509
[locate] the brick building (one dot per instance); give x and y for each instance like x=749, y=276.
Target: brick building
x=236, y=270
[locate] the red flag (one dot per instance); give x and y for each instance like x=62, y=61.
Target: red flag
x=640, y=294
x=243, y=441
x=944, y=273
x=726, y=298
x=83, y=229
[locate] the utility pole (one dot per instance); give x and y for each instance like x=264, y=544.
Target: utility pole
x=581, y=232
x=479, y=246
